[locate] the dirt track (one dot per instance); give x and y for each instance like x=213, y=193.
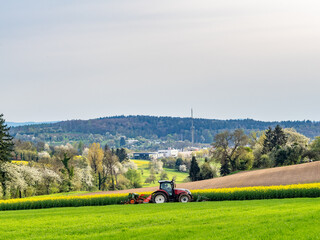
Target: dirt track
x=303, y=173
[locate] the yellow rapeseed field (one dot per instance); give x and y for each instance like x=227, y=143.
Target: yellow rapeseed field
x=258, y=188
x=246, y=193
x=20, y=162
x=141, y=163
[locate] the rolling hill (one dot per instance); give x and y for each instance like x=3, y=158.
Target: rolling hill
x=148, y=127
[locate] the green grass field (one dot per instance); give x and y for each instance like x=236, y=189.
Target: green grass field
x=256, y=219
x=144, y=165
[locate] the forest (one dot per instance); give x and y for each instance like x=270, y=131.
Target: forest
x=149, y=132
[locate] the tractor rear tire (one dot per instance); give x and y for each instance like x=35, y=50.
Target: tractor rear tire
x=184, y=198
x=159, y=198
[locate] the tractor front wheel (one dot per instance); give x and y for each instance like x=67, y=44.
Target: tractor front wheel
x=159, y=198
x=184, y=198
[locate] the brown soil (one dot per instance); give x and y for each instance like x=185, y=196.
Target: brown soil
x=302, y=173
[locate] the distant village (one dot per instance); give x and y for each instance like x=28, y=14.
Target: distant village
x=164, y=154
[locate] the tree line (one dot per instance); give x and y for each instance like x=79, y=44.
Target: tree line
x=149, y=127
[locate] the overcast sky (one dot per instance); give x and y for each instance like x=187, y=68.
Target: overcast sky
x=227, y=59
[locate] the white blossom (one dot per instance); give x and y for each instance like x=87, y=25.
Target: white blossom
x=47, y=147
x=129, y=165
x=50, y=176
x=157, y=165
x=85, y=152
x=43, y=154
x=83, y=176
x=31, y=175
x=182, y=168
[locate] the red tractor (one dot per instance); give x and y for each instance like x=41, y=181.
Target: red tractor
x=168, y=193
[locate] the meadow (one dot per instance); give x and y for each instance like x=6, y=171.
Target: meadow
x=257, y=219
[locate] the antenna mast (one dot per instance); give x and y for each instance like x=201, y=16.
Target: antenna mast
x=192, y=128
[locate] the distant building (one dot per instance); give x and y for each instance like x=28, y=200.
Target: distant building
x=131, y=141
x=169, y=153
x=145, y=155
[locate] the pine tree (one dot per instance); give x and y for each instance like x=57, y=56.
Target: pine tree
x=274, y=139
x=280, y=139
x=268, y=141
x=122, y=141
x=6, y=148
x=194, y=172
x=6, y=144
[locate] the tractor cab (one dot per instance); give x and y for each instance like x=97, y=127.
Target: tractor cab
x=167, y=186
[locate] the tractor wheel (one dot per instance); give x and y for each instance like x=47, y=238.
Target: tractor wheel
x=184, y=198
x=159, y=198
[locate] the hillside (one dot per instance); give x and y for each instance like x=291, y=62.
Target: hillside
x=148, y=127
x=302, y=173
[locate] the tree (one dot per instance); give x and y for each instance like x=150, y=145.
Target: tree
x=65, y=154
x=179, y=162
x=288, y=155
x=40, y=146
x=151, y=178
x=110, y=163
x=6, y=144
x=228, y=156
x=80, y=147
x=95, y=157
x=122, y=154
x=156, y=166
x=274, y=139
x=209, y=170
x=182, y=168
x=50, y=178
x=314, y=150
x=264, y=161
x=163, y=175
x=134, y=177
x=280, y=138
x=268, y=141
x=225, y=167
x=122, y=141
x=194, y=172
x=293, y=137
x=6, y=149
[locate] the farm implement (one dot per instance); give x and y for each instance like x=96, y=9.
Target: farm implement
x=166, y=193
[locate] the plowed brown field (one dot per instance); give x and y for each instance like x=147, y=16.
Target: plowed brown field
x=302, y=173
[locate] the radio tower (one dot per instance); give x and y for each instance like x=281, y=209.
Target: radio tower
x=192, y=128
